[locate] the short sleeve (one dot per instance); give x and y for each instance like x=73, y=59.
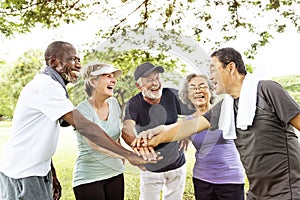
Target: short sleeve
x=213, y=115
x=131, y=113
x=51, y=99
x=283, y=104
x=182, y=108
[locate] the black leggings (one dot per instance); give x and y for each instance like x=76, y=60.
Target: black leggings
x=108, y=189
x=209, y=191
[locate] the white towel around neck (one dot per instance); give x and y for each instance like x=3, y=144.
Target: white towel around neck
x=246, y=110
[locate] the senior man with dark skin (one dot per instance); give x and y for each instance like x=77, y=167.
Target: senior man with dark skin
x=25, y=165
x=262, y=114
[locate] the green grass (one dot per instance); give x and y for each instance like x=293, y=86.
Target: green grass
x=64, y=160
x=65, y=156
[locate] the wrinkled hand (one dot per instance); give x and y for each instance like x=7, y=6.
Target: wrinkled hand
x=148, y=153
x=153, y=142
x=183, y=144
x=144, y=136
x=134, y=159
x=56, y=188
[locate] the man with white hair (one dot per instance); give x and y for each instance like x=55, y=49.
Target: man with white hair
x=154, y=106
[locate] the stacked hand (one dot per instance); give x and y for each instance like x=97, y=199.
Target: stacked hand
x=183, y=144
x=143, y=144
x=146, y=138
x=139, y=161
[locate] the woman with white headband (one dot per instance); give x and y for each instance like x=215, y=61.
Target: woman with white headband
x=99, y=175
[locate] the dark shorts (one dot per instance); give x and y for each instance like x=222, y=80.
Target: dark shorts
x=209, y=191
x=34, y=187
x=108, y=189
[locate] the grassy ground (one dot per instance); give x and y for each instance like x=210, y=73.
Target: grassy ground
x=65, y=156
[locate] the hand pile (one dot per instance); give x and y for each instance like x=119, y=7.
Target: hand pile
x=143, y=145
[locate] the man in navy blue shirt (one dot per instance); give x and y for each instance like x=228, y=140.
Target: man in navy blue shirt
x=155, y=106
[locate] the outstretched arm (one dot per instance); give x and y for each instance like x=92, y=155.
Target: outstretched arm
x=129, y=134
x=102, y=150
x=179, y=130
x=128, y=131
x=96, y=135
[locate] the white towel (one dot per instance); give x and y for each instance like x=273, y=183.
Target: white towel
x=226, y=120
x=247, y=102
x=246, y=110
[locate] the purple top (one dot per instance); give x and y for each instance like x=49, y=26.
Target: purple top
x=217, y=159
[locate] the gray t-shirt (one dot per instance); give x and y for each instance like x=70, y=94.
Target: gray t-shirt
x=269, y=149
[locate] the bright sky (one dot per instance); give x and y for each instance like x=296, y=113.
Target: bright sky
x=280, y=56
x=276, y=59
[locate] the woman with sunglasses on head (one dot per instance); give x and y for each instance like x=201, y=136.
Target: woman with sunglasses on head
x=218, y=173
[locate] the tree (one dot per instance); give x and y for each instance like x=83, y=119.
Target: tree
x=127, y=62
x=291, y=84
x=3, y=100
x=16, y=78
x=19, y=16
x=200, y=20
x=209, y=21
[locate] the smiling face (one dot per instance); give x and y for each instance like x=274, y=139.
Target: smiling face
x=198, y=92
x=150, y=86
x=219, y=76
x=105, y=85
x=70, y=66
x=63, y=58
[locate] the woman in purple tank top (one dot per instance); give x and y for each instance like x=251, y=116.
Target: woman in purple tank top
x=218, y=173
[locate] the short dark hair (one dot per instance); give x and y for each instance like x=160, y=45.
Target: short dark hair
x=227, y=55
x=56, y=49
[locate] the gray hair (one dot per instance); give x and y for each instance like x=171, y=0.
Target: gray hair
x=183, y=93
x=139, y=81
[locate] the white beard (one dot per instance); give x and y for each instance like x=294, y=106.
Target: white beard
x=150, y=95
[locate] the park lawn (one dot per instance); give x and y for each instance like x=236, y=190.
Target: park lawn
x=65, y=157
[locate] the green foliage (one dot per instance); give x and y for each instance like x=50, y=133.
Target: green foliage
x=31, y=62
x=19, y=16
x=249, y=68
x=15, y=78
x=291, y=84
x=203, y=17
x=126, y=61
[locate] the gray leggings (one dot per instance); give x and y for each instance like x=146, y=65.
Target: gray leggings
x=29, y=188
